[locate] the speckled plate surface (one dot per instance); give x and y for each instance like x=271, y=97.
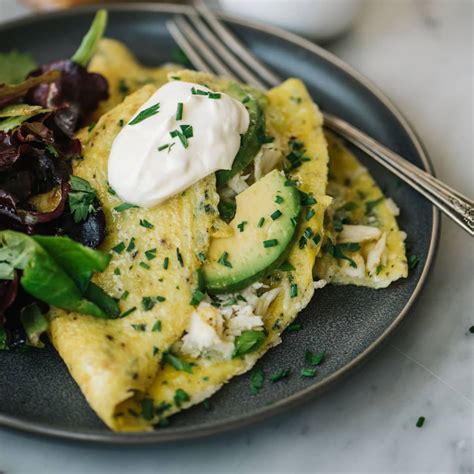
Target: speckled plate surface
x=36, y=392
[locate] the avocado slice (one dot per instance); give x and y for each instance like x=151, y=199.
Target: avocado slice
x=251, y=140
x=264, y=226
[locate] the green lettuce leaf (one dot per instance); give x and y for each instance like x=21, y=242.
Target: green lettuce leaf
x=35, y=324
x=15, y=66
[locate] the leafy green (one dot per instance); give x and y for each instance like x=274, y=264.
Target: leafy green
x=14, y=115
x=314, y=359
x=177, y=362
x=248, y=341
x=256, y=381
x=15, y=66
x=34, y=323
x=90, y=41
x=82, y=199
x=282, y=374
x=56, y=270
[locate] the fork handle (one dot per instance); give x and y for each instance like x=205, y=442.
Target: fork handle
x=457, y=207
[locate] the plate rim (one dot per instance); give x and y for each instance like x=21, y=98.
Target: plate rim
x=163, y=436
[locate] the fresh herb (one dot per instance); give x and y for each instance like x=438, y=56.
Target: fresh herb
x=248, y=341
x=241, y=226
x=337, y=251
x=139, y=327
x=34, y=323
x=123, y=88
x=117, y=271
x=206, y=404
x=91, y=127
x=195, y=91
x=15, y=66
x=412, y=261
x=119, y=248
x=275, y=215
x=316, y=239
x=378, y=269
x=214, y=95
x=307, y=199
x=420, y=422
x=311, y=212
x=124, y=207
x=278, y=199
x=314, y=359
x=294, y=221
x=146, y=224
x=128, y=312
x=230, y=302
x=166, y=262
x=155, y=349
x=147, y=408
x=131, y=245
x=197, y=297
x=147, y=113
x=201, y=257
x=183, y=134
x=179, y=111
x=309, y=373
x=160, y=298
x=294, y=327
x=124, y=295
x=282, y=374
x=111, y=190
x=156, y=327
x=163, y=147
x=121, y=123
x=286, y=267
x=179, y=257
x=270, y=243
x=291, y=182
x=260, y=222
x=57, y=271
x=91, y=40
x=371, y=205
x=150, y=254
x=256, y=381
x=293, y=290
x=223, y=260
x=82, y=199
x=177, y=362
x=180, y=396
x=148, y=303
x=162, y=407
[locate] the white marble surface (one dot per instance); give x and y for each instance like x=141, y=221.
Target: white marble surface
x=421, y=54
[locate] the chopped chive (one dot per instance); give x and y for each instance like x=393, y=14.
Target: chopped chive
x=306, y=372
x=121, y=123
x=187, y=130
x=163, y=147
x=276, y=215
x=182, y=138
x=256, y=381
x=412, y=261
x=197, y=297
x=214, y=95
x=148, y=303
x=155, y=349
x=241, y=226
x=241, y=298
x=471, y=329
x=420, y=422
x=139, y=327
x=124, y=295
x=307, y=199
x=179, y=257
x=91, y=127
x=195, y=91
x=179, y=111
x=270, y=243
x=279, y=199
x=119, y=248
x=128, y=312
x=144, y=265
x=294, y=327
x=302, y=242
x=124, y=207
x=166, y=262
x=131, y=245
x=206, y=404
x=311, y=212
x=294, y=221
x=156, y=327
x=111, y=190
x=261, y=221
x=201, y=257
x=290, y=182
x=160, y=298
x=150, y=254
x=223, y=260
x=146, y=224
x=230, y=302
x=293, y=290
x=286, y=267
x=117, y=271
x=308, y=232
x=147, y=408
x=180, y=396
x=144, y=114
x=371, y=205
x=283, y=374
x=314, y=359
x=316, y=239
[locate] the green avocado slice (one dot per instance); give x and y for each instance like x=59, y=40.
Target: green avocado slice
x=263, y=229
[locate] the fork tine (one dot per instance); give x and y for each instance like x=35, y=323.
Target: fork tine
x=225, y=54
x=199, y=45
x=235, y=45
x=196, y=60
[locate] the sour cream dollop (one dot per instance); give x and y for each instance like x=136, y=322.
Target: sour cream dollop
x=167, y=148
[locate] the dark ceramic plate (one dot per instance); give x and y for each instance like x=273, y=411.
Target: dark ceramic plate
x=36, y=392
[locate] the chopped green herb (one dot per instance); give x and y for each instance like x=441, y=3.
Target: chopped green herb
x=302, y=242
x=166, y=262
x=337, y=251
x=163, y=147
x=150, y=254
x=160, y=298
x=206, y=404
x=179, y=257
x=187, y=130
x=144, y=114
x=124, y=295
x=308, y=232
x=311, y=212
x=286, y=267
x=378, y=269
x=156, y=327
x=294, y=327
x=214, y=95
x=308, y=372
x=162, y=407
x=270, y=243
x=124, y=207
x=291, y=182
x=139, y=327
x=223, y=260
x=91, y=127
x=119, y=248
x=241, y=298
x=278, y=199
x=148, y=303
x=197, y=297
x=111, y=190
x=201, y=257
x=293, y=290
x=195, y=91
x=241, y=226
x=147, y=408
x=180, y=397
x=131, y=245
x=412, y=261
x=294, y=221
x=256, y=381
x=146, y=224
x=275, y=215
x=177, y=362
x=316, y=239
x=117, y=271
x=230, y=302
x=420, y=422
x=155, y=349
x=144, y=265
x=247, y=342
x=314, y=359
x=121, y=123
x=282, y=374
x=371, y=205
x=179, y=111
x=128, y=312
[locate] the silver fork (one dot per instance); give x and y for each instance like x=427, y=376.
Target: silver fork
x=211, y=47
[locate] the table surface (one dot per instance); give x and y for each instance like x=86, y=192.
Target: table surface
x=421, y=54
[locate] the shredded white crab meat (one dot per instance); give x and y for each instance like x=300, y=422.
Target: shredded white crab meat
x=358, y=233
x=238, y=183
x=212, y=330
x=267, y=159
x=374, y=256
x=354, y=272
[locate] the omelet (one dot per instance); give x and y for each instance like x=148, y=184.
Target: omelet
x=152, y=274
x=363, y=244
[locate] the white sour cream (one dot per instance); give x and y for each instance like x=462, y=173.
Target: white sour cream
x=147, y=165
